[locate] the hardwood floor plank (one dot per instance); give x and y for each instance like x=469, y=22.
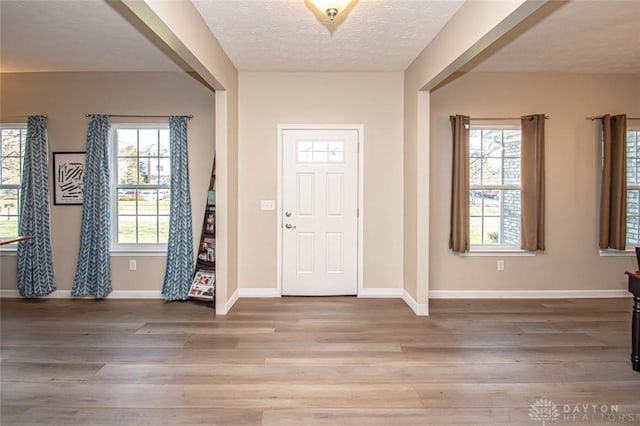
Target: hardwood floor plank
x=399, y=417
x=204, y=396
x=11, y=415
x=575, y=326
x=494, y=340
x=524, y=394
x=68, y=327
x=464, y=355
x=202, y=328
x=121, y=340
x=39, y=416
x=47, y=372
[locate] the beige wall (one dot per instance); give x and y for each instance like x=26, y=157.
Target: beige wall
x=372, y=99
x=571, y=260
x=233, y=189
x=410, y=191
x=65, y=98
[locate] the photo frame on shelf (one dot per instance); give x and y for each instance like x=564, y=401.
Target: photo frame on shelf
x=207, y=251
x=210, y=222
x=68, y=178
x=203, y=285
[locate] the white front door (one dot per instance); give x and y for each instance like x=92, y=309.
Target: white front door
x=319, y=212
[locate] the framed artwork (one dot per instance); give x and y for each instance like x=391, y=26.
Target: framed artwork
x=68, y=178
x=210, y=223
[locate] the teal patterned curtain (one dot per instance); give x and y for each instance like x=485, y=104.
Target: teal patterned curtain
x=179, y=270
x=35, y=265
x=93, y=274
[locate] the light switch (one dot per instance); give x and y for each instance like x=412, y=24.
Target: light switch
x=267, y=204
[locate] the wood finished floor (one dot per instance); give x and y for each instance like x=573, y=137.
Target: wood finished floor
x=314, y=361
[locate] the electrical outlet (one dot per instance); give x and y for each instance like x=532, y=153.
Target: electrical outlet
x=500, y=265
x=132, y=265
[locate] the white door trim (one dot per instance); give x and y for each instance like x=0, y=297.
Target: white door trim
x=360, y=129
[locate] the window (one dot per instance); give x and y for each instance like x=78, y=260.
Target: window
x=321, y=152
x=633, y=187
x=494, y=184
x=141, y=186
x=11, y=157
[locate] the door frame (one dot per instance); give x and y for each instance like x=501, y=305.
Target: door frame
x=360, y=164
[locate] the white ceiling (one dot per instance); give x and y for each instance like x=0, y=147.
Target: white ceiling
x=268, y=35
x=286, y=35
x=73, y=35
x=582, y=36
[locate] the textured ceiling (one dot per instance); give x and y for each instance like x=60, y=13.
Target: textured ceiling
x=265, y=35
x=286, y=35
x=73, y=35
x=580, y=37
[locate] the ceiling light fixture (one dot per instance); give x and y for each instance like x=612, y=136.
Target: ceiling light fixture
x=331, y=7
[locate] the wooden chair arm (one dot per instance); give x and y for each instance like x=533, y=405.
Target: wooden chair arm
x=635, y=274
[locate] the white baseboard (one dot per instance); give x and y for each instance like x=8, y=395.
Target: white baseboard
x=527, y=294
x=223, y=308
x=10, y=293
x=135, y=294
x=420, y=309
x=364, y=292
x=258, y=292
x=380, y=292
x=115, y=294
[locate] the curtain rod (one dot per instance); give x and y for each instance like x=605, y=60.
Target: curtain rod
x=190, y=116
x=600, y=117
x=501, y=118
x=26, y=116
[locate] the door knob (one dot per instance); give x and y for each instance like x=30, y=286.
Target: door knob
x=289, y=226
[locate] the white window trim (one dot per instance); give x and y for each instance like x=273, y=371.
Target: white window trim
x=142, y=252
x=631, y=247
x=628, y=252
x=117, y=250
x=11, y=249
x=482, y=250
x=477, y=250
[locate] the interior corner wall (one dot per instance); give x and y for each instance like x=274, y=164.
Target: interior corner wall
x=374, y=99
x=573, y=163
x=65, y=98
x=410, y=190
x=232, y=191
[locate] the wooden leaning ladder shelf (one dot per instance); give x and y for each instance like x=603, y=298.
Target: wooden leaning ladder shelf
x=204, y=278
